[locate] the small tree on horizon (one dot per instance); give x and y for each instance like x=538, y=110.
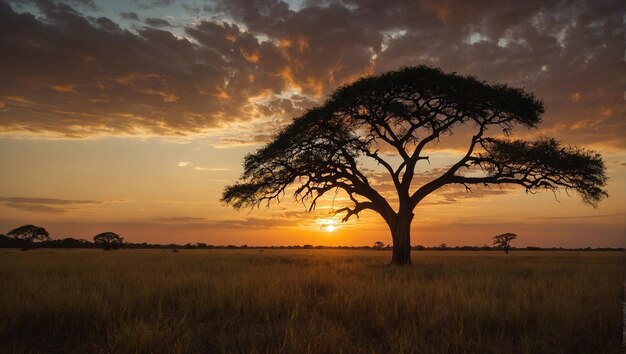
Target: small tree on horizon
x=379, y=245
x=391, y=120
x=108, y=240
x=27, y=234
x=504, y=241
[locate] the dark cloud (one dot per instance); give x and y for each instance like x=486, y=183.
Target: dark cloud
x=129, y=16
x=149, y=4
x=36, y=208
x=157, y=22
x=43, y=205
x=581, y=217
x=52, y=201
x=98, y=77
x=204, y=223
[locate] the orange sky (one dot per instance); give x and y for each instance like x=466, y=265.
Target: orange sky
x=111, y=120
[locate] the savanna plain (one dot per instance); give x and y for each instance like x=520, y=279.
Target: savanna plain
x=309, y=301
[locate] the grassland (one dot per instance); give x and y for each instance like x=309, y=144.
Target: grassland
x=309, y=301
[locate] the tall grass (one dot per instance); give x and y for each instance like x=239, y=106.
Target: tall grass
x=309, y=301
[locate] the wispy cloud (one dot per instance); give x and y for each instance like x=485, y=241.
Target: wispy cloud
x=179, y=219
x=200, y=168
x=248, y=223
x=580, y=217
x=43, y=205
x=53, y=201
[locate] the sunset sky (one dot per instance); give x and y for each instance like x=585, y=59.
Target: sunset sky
x=132, y=116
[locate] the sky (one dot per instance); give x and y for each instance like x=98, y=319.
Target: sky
x=132, y=116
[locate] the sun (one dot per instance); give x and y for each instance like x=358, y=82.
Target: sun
x=329, y=228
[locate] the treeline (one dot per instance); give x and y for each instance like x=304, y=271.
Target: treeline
x=70, y=242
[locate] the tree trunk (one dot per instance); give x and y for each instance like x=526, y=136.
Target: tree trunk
x=401, y=235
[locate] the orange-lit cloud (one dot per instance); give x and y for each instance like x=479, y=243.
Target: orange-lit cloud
x=68, y=88
x=161, y=77
x=43, y=205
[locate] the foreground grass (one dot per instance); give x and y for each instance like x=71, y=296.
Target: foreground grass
x=317, y=301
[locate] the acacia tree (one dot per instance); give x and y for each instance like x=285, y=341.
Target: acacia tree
x=27, y=234
x=108, y=240
x=394, y=117
x=379, y=245
x=504, y=241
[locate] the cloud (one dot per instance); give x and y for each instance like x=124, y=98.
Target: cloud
x=36, y=208
x=129, y=16
x=183, y=219
x=258, y=61
x=200, y=168
x=204, y=223
x=157, y=22
x=51, y=201
x=210, y=169
x=44, y=205
x=581, y=217
x=453, y=194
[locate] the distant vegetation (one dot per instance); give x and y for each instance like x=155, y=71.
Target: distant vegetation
x=309, y=301
x=109, y=240
x=503, y=241
x=71, y=242
x=24, y=236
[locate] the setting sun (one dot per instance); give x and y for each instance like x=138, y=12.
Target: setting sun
x=329, y=228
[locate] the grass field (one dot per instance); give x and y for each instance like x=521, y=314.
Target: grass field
x=309, y=301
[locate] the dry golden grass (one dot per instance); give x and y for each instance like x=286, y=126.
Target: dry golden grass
x=309, y=301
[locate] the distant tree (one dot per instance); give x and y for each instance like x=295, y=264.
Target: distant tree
x=307, y=246
x=443, y=246
x=108, y=240
x=392, y=119
x=504, y=241
x=379, y=245
x=27, y=234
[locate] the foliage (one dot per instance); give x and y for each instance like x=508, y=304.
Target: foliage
x=402, y=113
x=504, y=241
x=109, y=240
x=27, y=234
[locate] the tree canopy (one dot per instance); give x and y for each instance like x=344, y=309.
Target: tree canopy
x=27, y=234
x=401, y=113
x=504, y=241
x=108, y=240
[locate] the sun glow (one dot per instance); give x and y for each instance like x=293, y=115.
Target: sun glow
x=329, y=228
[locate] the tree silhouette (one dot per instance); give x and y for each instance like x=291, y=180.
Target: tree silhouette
x=504, y=241
x=379, y=245
x=27, y=234
x=390, y=119
x=108, y=240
